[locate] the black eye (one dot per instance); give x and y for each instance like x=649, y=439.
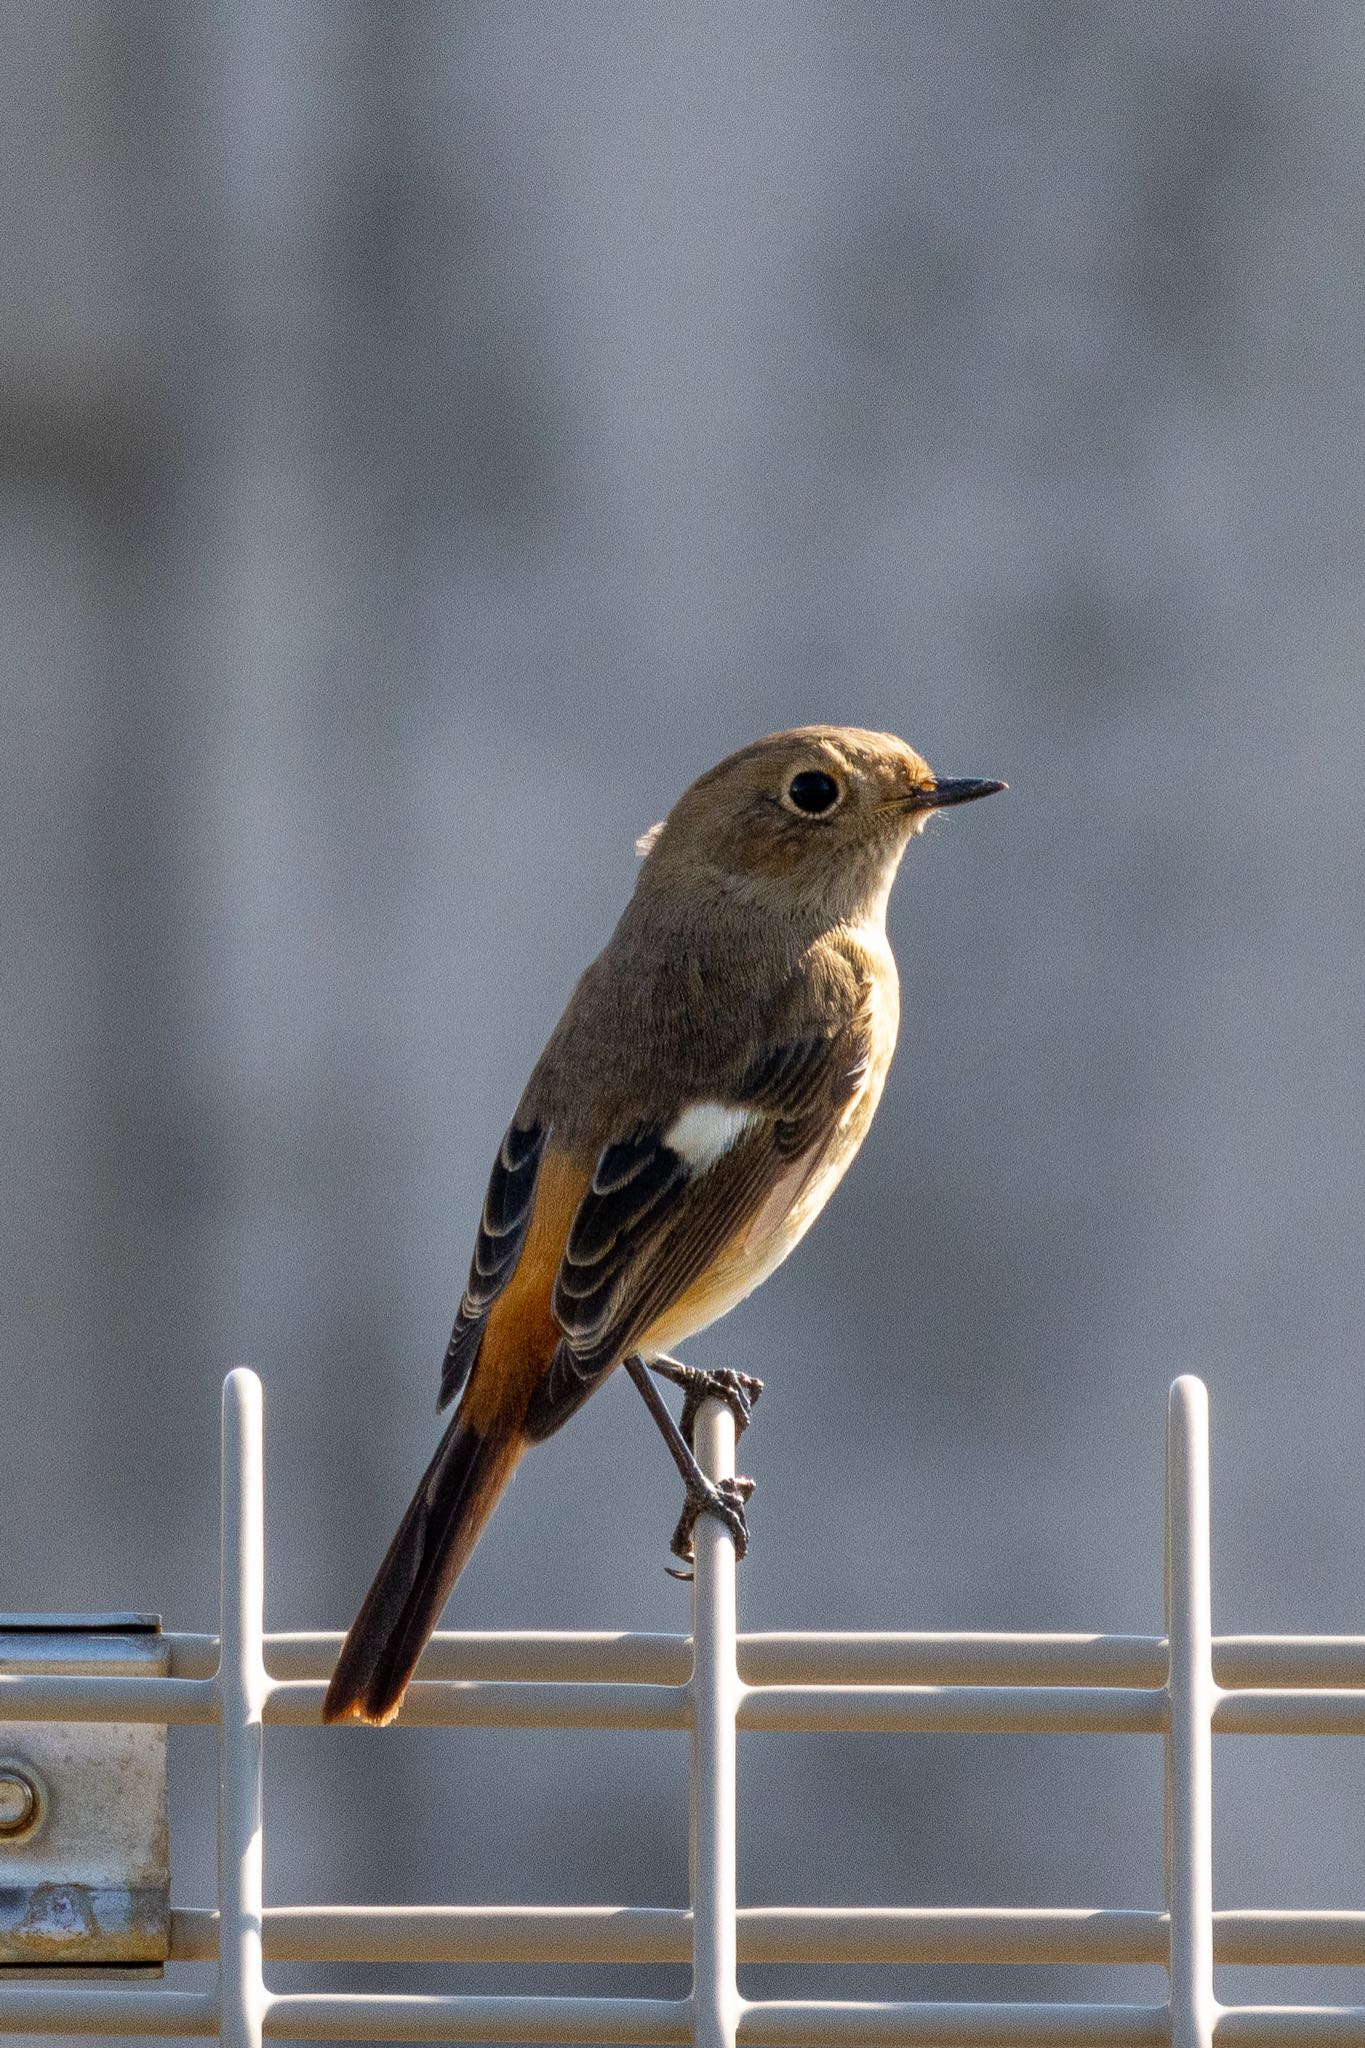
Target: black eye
x=812, y=791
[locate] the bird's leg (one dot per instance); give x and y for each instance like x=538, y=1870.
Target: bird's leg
x=738, y=1390
x=724, y=1498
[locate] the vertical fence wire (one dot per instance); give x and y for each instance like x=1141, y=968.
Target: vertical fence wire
x=1189, y=1739
x=715, y=1705
x=241, y=1695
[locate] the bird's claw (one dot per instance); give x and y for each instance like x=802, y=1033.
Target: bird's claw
x=723, y=1498
x=738, y=1390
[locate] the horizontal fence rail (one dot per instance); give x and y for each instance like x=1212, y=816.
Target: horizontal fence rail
x=1037, y=1707
x=1183, y=1686
x=766, y=1934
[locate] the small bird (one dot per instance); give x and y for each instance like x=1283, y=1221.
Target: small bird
x=699, y=1100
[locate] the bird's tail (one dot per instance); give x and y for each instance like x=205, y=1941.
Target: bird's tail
x=458, y=1492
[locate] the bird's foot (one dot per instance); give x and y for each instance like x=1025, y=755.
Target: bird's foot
x=724, y=1498
x=738, y=1390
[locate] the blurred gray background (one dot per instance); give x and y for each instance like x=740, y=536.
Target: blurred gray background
x=428, y=438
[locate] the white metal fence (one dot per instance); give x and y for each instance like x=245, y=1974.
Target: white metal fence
x=1183, y=1686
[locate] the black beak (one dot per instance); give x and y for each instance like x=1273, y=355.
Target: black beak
x=945, y=790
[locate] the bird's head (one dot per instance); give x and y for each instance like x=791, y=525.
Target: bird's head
x=817, y=818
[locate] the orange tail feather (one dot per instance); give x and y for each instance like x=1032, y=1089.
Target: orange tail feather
x=458, y=1492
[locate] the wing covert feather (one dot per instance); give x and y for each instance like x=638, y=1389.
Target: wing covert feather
x=497, y=1247
x=648, y=1228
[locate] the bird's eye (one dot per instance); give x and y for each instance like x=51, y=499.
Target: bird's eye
x=813, y=792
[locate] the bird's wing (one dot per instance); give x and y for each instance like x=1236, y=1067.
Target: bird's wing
x=502, y=1231
x=663, y=1203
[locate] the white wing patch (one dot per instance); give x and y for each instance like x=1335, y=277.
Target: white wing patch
x=705, y=1132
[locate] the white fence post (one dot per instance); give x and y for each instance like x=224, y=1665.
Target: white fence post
x=715, y=1704
x=241, y=1692
x=1189, y=1738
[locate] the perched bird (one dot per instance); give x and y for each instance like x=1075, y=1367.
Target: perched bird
x=713, y=1075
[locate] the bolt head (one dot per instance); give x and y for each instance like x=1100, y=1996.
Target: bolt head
x=18, y=1802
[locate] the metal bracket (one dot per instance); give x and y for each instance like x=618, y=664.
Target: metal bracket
x=84, y=1856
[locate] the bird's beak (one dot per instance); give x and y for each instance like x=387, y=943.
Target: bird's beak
x=945, y=790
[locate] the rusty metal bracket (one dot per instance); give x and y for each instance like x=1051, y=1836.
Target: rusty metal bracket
x=84, y=1859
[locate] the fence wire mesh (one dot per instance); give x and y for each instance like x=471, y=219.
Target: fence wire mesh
x=1184, y=1686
